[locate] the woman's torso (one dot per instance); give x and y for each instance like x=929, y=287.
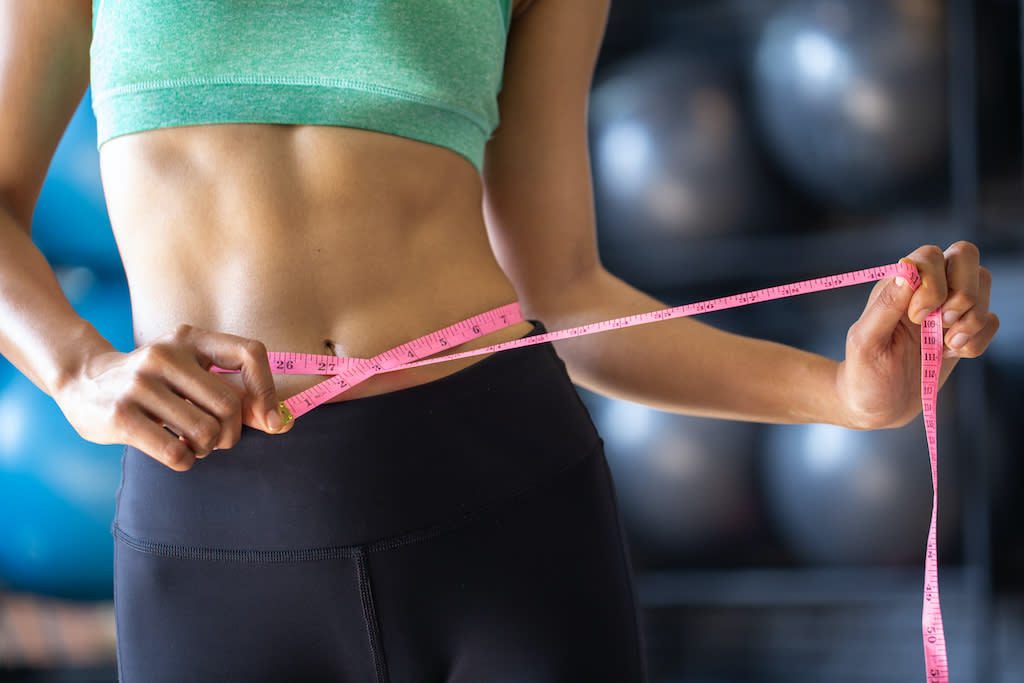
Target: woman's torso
x=309, y=238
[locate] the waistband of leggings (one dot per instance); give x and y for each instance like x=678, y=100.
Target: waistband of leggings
x=368, y=469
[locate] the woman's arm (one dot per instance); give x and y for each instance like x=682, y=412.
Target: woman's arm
x=44, y=71
x=109, y=397
x=540, y=216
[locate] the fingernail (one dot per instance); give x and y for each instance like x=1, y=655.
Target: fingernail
x=958, y=340
x=900, y=282
x=949, y=317
x=950, y=353
x=277, y=419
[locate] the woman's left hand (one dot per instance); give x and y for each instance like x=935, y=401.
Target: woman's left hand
x=879, y=382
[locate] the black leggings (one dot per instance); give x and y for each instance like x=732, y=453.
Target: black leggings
x=464, y=530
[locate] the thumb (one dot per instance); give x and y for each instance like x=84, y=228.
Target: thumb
x=885, y=309
x=266, y=413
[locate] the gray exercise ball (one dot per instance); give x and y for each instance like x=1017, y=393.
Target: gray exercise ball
x=672, y=153
x=686, y=486
x=846, y=497
x=851, y=96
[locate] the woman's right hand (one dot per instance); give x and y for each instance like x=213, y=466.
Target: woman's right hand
x=130, y=398
x=109, y=397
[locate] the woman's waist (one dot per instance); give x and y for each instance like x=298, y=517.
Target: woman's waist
x=363, y=375
x=372, y=469
x=347, y=329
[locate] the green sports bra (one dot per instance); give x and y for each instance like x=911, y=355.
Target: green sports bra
x=429, y=70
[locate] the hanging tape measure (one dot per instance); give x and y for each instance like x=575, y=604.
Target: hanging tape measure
x=936, y=664
x=345, y=373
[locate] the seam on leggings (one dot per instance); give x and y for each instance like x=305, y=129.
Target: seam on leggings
x=184, y=552
x=268, y=557
x=117, y=622
x=370, y=617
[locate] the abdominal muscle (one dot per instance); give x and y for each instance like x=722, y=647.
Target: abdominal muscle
x=309, y=239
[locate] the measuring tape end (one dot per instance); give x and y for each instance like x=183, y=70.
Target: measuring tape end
x=908, y=271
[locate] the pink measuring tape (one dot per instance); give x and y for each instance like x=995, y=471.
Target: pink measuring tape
x=344, y=373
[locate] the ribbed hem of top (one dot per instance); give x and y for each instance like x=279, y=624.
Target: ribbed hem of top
x=134, y=111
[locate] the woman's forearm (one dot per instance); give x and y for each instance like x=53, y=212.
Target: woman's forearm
x=40, y=332
x=683, y=365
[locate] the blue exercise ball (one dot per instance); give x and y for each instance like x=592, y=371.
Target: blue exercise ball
x=686, y=486
x=6, y=372
x=71, y=225
x=852, y=96
x=103, y=301
x=56, y=489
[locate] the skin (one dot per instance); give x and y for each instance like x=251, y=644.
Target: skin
x=241, y=238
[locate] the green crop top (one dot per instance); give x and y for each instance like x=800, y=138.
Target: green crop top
x=429, y=70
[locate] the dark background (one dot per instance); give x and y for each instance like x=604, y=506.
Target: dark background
x=736, y=144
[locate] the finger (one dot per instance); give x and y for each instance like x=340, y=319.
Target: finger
x=931, y=265
x=973, y=321
x=213, y=395
x=175, y=365
x=962, y=273
x=260, y=407
x=884, y=311
x=977, y=343
x=144, y=433
x=200, y=430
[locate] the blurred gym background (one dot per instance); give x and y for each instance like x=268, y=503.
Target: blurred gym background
x=735, y=144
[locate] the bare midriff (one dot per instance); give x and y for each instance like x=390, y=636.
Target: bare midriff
x=308, y=238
